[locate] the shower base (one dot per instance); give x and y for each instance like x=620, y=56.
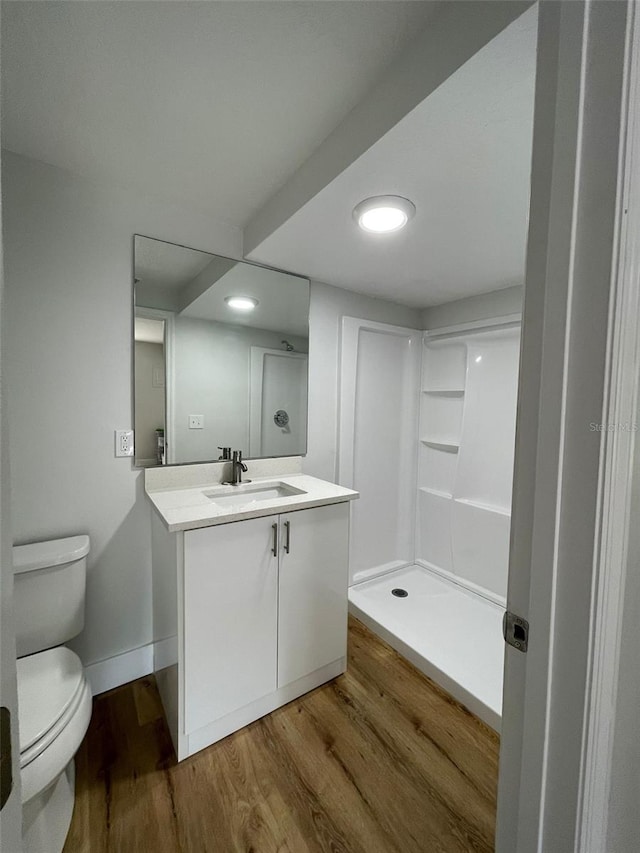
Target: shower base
x=452, y=635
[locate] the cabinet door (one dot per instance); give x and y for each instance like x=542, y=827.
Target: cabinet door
x=231, y=599
x=312, y=624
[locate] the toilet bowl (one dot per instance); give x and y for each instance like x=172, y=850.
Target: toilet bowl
x=54, y=697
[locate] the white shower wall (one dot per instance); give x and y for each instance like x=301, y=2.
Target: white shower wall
x=380, y=366
x=212, y=364
x=467, y=438
x=430, y=449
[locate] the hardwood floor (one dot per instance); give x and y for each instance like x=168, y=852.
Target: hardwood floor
x=378, y=761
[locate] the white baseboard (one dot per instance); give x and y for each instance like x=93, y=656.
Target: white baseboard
x=165, y=653
x=112, y=672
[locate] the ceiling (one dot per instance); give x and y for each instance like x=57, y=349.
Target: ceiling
x=283, y=300
x=211, y=104
x=221, y=106
x=463, y=157
x=163, y=266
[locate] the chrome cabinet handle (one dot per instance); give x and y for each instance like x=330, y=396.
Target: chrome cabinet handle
x=274, y=549
x=287, y=541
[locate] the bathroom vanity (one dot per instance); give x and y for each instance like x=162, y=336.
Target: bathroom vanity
x=249, y=593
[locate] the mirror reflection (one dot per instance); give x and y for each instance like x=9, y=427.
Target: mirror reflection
x=220, y=357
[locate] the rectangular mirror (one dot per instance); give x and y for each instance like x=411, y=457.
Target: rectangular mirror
x=211, y=371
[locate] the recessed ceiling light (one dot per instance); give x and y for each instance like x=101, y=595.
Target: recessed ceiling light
x=382, y=214
x=241, y=303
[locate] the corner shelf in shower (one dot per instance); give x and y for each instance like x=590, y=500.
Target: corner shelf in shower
x=437, y=492
x=440, y=444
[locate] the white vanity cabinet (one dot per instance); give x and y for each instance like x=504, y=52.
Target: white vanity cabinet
x=312, y=590
x=261, y=617
x=231, y=618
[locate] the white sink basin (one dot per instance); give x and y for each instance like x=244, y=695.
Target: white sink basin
x=251, y=493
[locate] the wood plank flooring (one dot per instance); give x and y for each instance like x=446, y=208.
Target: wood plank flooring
x=381, y=760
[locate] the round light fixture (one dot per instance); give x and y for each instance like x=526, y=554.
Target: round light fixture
x=241, y=303
x=383, y=214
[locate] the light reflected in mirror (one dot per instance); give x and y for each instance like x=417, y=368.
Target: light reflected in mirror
x=209, y=373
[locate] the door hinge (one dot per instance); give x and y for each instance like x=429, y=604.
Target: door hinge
x=6, y=768
x=515, y=631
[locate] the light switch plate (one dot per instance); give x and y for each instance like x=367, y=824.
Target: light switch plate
x=196, y=421
x=124, y=442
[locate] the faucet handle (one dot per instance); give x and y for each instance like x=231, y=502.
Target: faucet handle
x=226, y=453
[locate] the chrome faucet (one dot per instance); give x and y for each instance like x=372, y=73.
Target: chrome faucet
x=237, y=469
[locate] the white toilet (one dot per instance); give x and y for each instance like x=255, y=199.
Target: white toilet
x=53, y=693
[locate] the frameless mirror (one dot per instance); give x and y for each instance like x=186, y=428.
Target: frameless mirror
x=220, y=357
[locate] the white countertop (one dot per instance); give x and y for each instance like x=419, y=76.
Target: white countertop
x=189, y=508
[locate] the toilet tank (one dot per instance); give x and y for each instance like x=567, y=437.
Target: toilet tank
x=49, y=592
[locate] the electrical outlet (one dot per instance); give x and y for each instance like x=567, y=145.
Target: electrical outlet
x=124, y=442
x=196, y=421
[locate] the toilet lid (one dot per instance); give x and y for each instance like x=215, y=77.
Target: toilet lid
x=47, y=685
x=54, y=552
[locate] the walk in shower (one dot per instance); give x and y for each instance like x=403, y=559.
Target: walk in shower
x=427, y=433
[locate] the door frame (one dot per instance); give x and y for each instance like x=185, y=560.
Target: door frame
x=579, y=362
x=11, y=813
x=615, y=557
x=169, y=375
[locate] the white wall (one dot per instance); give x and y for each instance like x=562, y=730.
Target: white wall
x=328, y=306
x=496, y=303
x=212, y=379
x=68, y=247
x=68, y=258
x=68, y=267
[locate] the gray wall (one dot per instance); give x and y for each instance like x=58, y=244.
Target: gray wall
x=497, y=303
x=68, y=250
x=68, y=245
x=211, y=365
x=68, y=253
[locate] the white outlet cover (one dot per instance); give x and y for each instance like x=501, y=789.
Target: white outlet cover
x=196, y=421
x=124, y=442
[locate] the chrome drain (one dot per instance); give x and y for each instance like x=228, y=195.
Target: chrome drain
x=399, y=593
